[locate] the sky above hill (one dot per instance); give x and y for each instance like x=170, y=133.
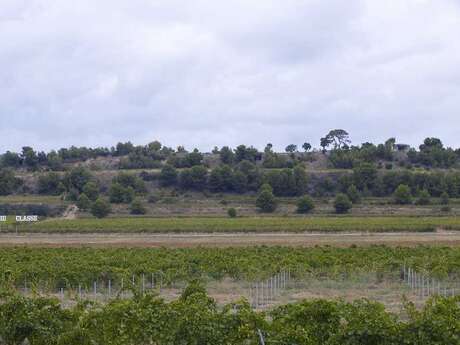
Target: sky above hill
x=204, y=72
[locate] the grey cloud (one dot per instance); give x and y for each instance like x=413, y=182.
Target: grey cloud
x=207, y=73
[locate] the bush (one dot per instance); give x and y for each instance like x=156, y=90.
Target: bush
x=168, y=176
x=444, y=199
x=424, y=198
x=353, y=194
x=266, y=201
x=342, y=203
x=83, y=202
x=91, y=190
x=305, y=204
x=402, y=195
x=137, y=207
x=231, y=212
x=119, y=194
x=9, y=183
x=50, y=184
x=388, y=166
x=100, y=208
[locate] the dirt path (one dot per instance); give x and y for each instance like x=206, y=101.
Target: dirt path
x=225, y=240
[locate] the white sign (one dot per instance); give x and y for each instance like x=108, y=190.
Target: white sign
x=26, y=218
x=2, y=218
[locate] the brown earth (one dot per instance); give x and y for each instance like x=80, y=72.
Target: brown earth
x=446, y=238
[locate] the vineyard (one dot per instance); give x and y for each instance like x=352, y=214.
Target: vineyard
x=70, y=266
x=195, y=318
x=243, y=224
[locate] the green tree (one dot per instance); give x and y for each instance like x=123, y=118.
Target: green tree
x=306, y=147
x=353, y=194
x=291, y=148
x=119, y=194
x=266, y=201
x=49, y=184
x=91, y=190
x=100, y=208
x=424, y=198
x=83, y=202
x=231, y=212
x=305, y=205
x=402, y=195
x=444, y=200
x=342, y=203
x=226, y=155
x=9, y=183
x=77, y=178
x=137, y=207
x=168, y=176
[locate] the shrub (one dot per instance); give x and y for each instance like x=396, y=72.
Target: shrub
x=305, y=204
x=266, y=201
x=137, y=207
x=342, y=203
x=424, y=198
x=119, y=194
x=168, y=175
x=402, y=195
x=100, y=208
x=83, y=202
x=9, y=183
x=50, y=184
x=91, y=190
x=444, y=198
x=388, y=166
x=353, y=194
x=231, y=212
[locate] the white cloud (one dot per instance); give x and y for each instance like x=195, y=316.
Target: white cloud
x=207, y=73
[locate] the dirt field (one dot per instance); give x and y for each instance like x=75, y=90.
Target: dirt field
x=226, y=240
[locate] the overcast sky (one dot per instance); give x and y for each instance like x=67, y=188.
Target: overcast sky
x=204, y=72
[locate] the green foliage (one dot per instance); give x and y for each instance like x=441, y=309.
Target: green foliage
x=137, y=207
x=424, y=198
x=306, y=146
x=83, y=203
x=168, y=176
x=195, y=319
x=444, y=199
x=128, y=180
x=50, y=184
x=9, y=183
x=231, y=212
x=100, y=208
x=91, y=190
x=287, y=182
x=77, y=178
x=353, y=194
x=266, y=201
x=291, y=148
x=119, y=194
x=305, y=204
x=342, y=203
x=402, y=195
x=193, y=178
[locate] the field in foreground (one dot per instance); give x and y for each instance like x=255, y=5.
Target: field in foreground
x=195, y=318
x=244, y=224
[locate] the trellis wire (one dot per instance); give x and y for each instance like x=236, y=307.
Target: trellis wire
x=424, y=285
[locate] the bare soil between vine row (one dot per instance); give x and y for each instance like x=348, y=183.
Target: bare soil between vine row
x=445, y=238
